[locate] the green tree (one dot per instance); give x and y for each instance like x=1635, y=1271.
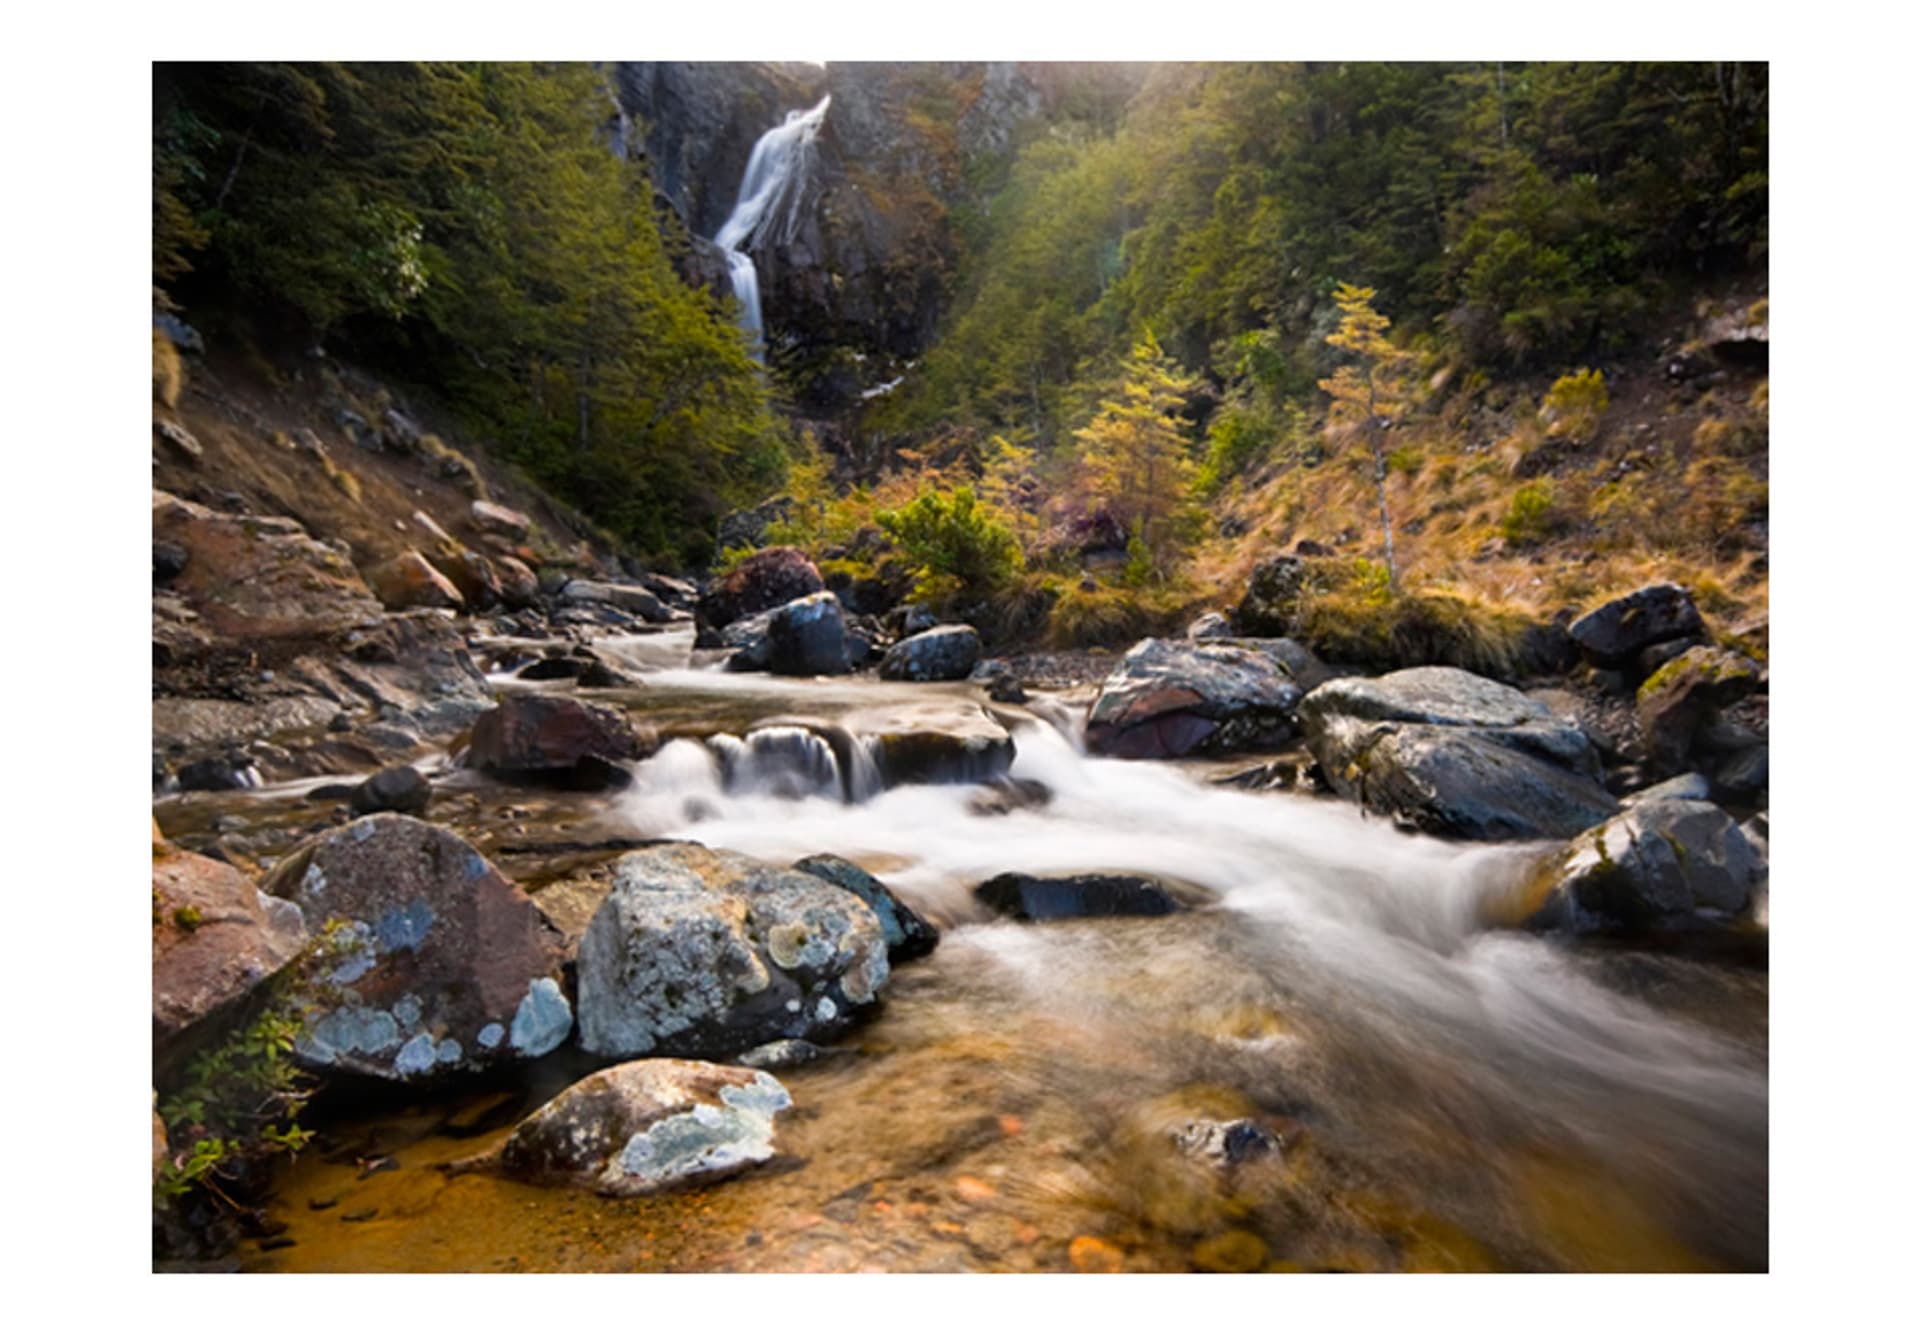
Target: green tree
x=1133, y=456
x=1371, y=390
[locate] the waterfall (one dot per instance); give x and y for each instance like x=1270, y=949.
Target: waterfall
x=768, y=207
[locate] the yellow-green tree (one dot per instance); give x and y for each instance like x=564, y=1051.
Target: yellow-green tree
x=1371, y=390
x=1134, y=458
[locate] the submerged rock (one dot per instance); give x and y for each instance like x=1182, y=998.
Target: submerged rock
x=700, y=952
x=1452, y=753
x=1612, y=634
x=944, y=653
x=438, y=963
x=1175, y=697
x=908, y=934
x=1661, y=865
x=647, y=1126
x=552, y=738
x=1036, y=898
x=216, y=940
x=936, y=741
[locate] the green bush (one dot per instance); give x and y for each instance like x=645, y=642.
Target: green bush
x=1530, y=516
x=955, y=545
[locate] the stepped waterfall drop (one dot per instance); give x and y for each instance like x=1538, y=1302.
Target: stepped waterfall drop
x=768, y=207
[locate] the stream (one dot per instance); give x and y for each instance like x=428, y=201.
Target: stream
x=1445, y=1097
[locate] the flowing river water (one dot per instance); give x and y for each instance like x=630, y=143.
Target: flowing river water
x=1447, y=1096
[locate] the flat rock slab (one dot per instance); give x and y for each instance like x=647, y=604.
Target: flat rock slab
x=647, y=1126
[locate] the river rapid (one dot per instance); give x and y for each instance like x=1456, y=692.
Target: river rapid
x=1444, y=1095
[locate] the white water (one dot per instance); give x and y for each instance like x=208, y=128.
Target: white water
x=767, y=210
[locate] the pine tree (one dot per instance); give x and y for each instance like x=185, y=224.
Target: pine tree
x=1135, y=459
x=1371, y=390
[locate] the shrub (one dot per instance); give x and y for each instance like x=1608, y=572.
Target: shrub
x=954, y=544
x=1105, y=617
x=168, y=374
x=1572, y=408
x=1530, y=516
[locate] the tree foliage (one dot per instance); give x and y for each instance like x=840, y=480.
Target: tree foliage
x=1134, y=457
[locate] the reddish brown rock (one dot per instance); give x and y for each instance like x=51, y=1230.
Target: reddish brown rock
x=473, y=574
x=409, y=580
x=435, y=961
x=552, y=737
x=216, y=939
x=765, y=580
x=498, y=519
x=519, y=586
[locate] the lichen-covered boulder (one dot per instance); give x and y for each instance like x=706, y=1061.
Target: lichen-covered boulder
x=908, y=934
x=1452, y=753
x=409, y=580
x=437, y=962
x=701, y=952
x=1660, y=865
x=1039, y=898
x=1272, y=597
x=646, y=1126
x=553, y=738
x=808, y=637
x=1170, y=697
x=216, y=940
x=763, y=581
x=944, y=653
x=1611, y=634
x=1683, y=698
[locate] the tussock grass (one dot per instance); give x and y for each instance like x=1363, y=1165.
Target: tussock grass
x=169, y=376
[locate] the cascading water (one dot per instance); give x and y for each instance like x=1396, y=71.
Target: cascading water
x=768, y=207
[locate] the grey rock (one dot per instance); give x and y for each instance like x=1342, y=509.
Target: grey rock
x=907, y=933
x=808, y=637
x=1613, y=633
x=1210, y=625
x=1175, y=697
x=627, y=597
x=402, y=788
x=944, y=653
x=1661, y=864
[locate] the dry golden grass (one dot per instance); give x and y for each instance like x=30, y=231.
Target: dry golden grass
x=169, y=376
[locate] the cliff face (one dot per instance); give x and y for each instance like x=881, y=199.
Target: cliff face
x=859, y=281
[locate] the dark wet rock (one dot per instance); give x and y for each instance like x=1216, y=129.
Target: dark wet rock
x=1612, y=634
x=1035, y=898
x=1210, y=625
x=1678, y=703
x=763, y=581
x=647, y=1126
x=216, y=940
x=553, y=738
x=596, y=675
x=402, y=788
x=558, y=667
x=944, y=653
x=1655, y=656
x=911, y=619
x=934, y=742
x=1742, y=780
x=473, y=574
x=499, y=520
x=680, y=594
x=1452, y=753
x=908, y=935
x=1272, y=598
x=217, y=773
x=626, y=597
x=702, y=952
x=808, y=637
x=409, y=580
x=169, y=559
x=781, y=1055
x=436, y=963
x=1176, y=697
x=750, y=639
x=1661, y=865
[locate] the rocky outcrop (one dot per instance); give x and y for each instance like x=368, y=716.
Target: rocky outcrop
x=471, y=573
x=699, y=952
x=1177, y=697
x=1452, y=753
x=216, y=940
x=944, y=653
x=1663, y=864
x=647, y=1126
x=553, y=739
x=765, y=580
x=409, y=580
x=436, y=963
x=1035, y=898
x=907, y=933
x=1613, y=633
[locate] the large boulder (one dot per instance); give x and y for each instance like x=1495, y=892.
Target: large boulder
x=1171, y=697
x=1680, y=701
x=216, y=940
x=646, y=1126
x=907, y=933
x=1452, y=753
x=409, y=580
x=808, y=637
x=944, y=653
x=553, y=738
x=1660, y=865
x=1613, y=633
x=763, y=581
x=699, y=952
x=435, y=962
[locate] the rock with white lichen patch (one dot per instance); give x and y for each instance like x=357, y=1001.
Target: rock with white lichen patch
x=646, y=1126
x=433, y=962
x=701, y=952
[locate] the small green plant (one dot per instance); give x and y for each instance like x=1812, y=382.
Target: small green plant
x=1572, y=408
x=235, y=1103
x=1530, y=516
x=187, y=917
x=954, y=544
